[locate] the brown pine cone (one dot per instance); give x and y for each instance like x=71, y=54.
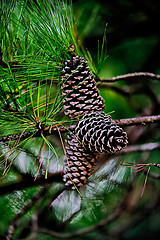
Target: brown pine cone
x=79, y=89
x=79, y=163
x=97, y=132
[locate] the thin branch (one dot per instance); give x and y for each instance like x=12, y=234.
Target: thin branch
x=142, y=147
x=46, y=132
x=132, y=76
x=122, y=122
x=30, y=182
x=81, y=232
x=151, y=174
x=138, y=121
x=139, y=215
x=105, y=157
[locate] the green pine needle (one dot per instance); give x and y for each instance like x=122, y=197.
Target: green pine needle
x=37, y=37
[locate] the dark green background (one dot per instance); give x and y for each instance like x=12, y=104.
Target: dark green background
x=133, y=37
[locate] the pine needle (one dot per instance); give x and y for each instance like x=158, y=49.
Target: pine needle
x=40, y=164
x=145, y=182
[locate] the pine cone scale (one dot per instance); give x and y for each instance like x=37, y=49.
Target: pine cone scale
x=79, y=164
x=79, y=88
x=95, y=132
x=99, y=133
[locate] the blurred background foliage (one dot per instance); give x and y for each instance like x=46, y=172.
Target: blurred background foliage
x=133, y=37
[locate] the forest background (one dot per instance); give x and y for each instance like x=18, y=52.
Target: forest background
x=121, y=200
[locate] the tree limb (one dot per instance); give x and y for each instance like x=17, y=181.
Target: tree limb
x=28, y=182
x=132, y=76
x=138, y=121
x=47, y=131
x=142, y=147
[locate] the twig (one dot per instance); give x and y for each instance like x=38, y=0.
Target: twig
x=131, y=76
x=140, y=216
x=28, y=182
x=122, y=122
x=102, y=223
x=152, y=175
x=142, y=147
x=138, y=120
x=46, y=132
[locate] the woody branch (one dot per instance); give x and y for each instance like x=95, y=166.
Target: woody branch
x=132, y=76
x=122, y=122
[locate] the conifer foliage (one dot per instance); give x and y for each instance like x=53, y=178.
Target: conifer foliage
x=40, y=49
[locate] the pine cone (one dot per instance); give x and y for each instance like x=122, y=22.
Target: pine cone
x=98, y=133
x=79, y=89
x=79, y=163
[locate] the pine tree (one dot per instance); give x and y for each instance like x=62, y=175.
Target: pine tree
x=41, y=50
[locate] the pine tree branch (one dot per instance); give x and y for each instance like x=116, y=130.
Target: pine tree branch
x=81, y=232
x=132, y=76
x=30, y=182
x=140, y=148
x=50, y=131
x=37, y=133
x=138, y=121
x=151, y=174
